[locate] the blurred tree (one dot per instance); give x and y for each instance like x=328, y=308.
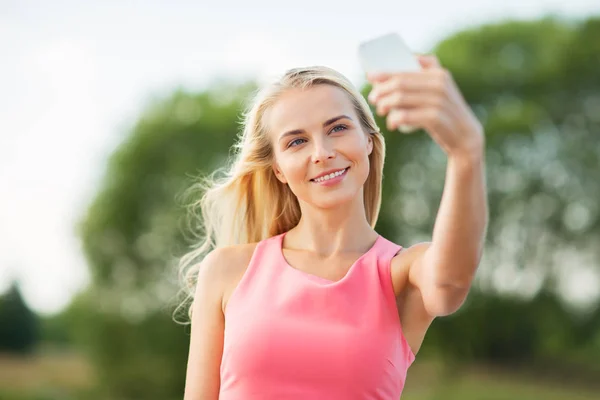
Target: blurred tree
x=55, y=330
x=133, y=234
x=535, y=86
x=133, y=228
x=536, y=89
x=19, y=326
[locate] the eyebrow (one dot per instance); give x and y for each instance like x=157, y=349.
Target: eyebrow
x=328, y=122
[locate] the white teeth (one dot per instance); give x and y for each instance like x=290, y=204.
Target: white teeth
x=331, y=175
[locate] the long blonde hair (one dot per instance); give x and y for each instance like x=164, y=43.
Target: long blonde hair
x=247, y=203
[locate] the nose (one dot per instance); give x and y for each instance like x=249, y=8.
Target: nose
x=322, y=151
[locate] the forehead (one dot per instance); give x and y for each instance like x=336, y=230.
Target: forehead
x=303, y=109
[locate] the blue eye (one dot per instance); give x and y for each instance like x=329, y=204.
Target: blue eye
x=299, y=141
x=340, y=126
x=291, y=144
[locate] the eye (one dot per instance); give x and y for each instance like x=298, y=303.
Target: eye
x=339, y=126
x=296, y=142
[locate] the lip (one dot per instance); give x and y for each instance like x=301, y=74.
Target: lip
x=328, y=172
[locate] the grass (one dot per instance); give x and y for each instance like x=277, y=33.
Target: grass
x=58, y=370
x=66, y=376
x=430, y=381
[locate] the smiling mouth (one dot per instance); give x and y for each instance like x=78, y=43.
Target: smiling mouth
x=330, y=176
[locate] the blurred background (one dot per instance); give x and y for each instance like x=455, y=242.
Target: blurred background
x=109, y=109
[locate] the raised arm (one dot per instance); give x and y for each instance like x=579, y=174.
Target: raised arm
x=442, y=270
x=432, y=279
x=445, y=269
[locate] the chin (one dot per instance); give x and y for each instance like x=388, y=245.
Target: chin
x=333, y=199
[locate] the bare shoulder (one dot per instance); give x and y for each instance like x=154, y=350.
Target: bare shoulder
x=401, y=264
x=223, y=268
x=226, y=259
x=218, y=271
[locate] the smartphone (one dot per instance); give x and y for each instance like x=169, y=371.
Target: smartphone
x=388, y=53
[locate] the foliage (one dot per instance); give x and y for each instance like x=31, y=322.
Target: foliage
x=19, y=326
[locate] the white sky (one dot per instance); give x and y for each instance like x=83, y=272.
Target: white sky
x=74, y=74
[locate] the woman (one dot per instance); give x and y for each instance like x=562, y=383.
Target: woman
x=302, y=298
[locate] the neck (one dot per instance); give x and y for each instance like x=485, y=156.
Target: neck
x=328, y=231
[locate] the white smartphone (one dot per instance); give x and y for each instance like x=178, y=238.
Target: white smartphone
x=388, y=53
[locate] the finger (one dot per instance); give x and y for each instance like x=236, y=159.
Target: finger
x=396, y=118
x=431, y=81
x=429, y=118
x=403, y=99
x=428, y=61
x=375, y=77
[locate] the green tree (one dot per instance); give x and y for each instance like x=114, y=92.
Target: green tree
x=535, y=88
x=19, y=326
x=135, y=230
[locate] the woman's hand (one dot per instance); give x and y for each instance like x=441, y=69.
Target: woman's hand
x=428, y=99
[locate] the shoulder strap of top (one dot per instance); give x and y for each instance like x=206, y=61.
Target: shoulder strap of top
x=253, y=273
x=387, y=250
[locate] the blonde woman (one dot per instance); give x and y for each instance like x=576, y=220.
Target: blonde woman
x=299, y=297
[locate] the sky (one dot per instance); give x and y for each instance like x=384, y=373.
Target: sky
x=74, y=76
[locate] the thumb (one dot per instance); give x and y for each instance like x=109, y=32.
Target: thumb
x=428, y=61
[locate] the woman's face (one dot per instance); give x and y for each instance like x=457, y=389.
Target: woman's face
x=321, y=150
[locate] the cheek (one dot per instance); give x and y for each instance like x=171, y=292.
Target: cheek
x=357, y=150
x=293, y=169
x=358, y=153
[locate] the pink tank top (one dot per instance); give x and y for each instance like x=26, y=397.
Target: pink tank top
x=292, y=335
